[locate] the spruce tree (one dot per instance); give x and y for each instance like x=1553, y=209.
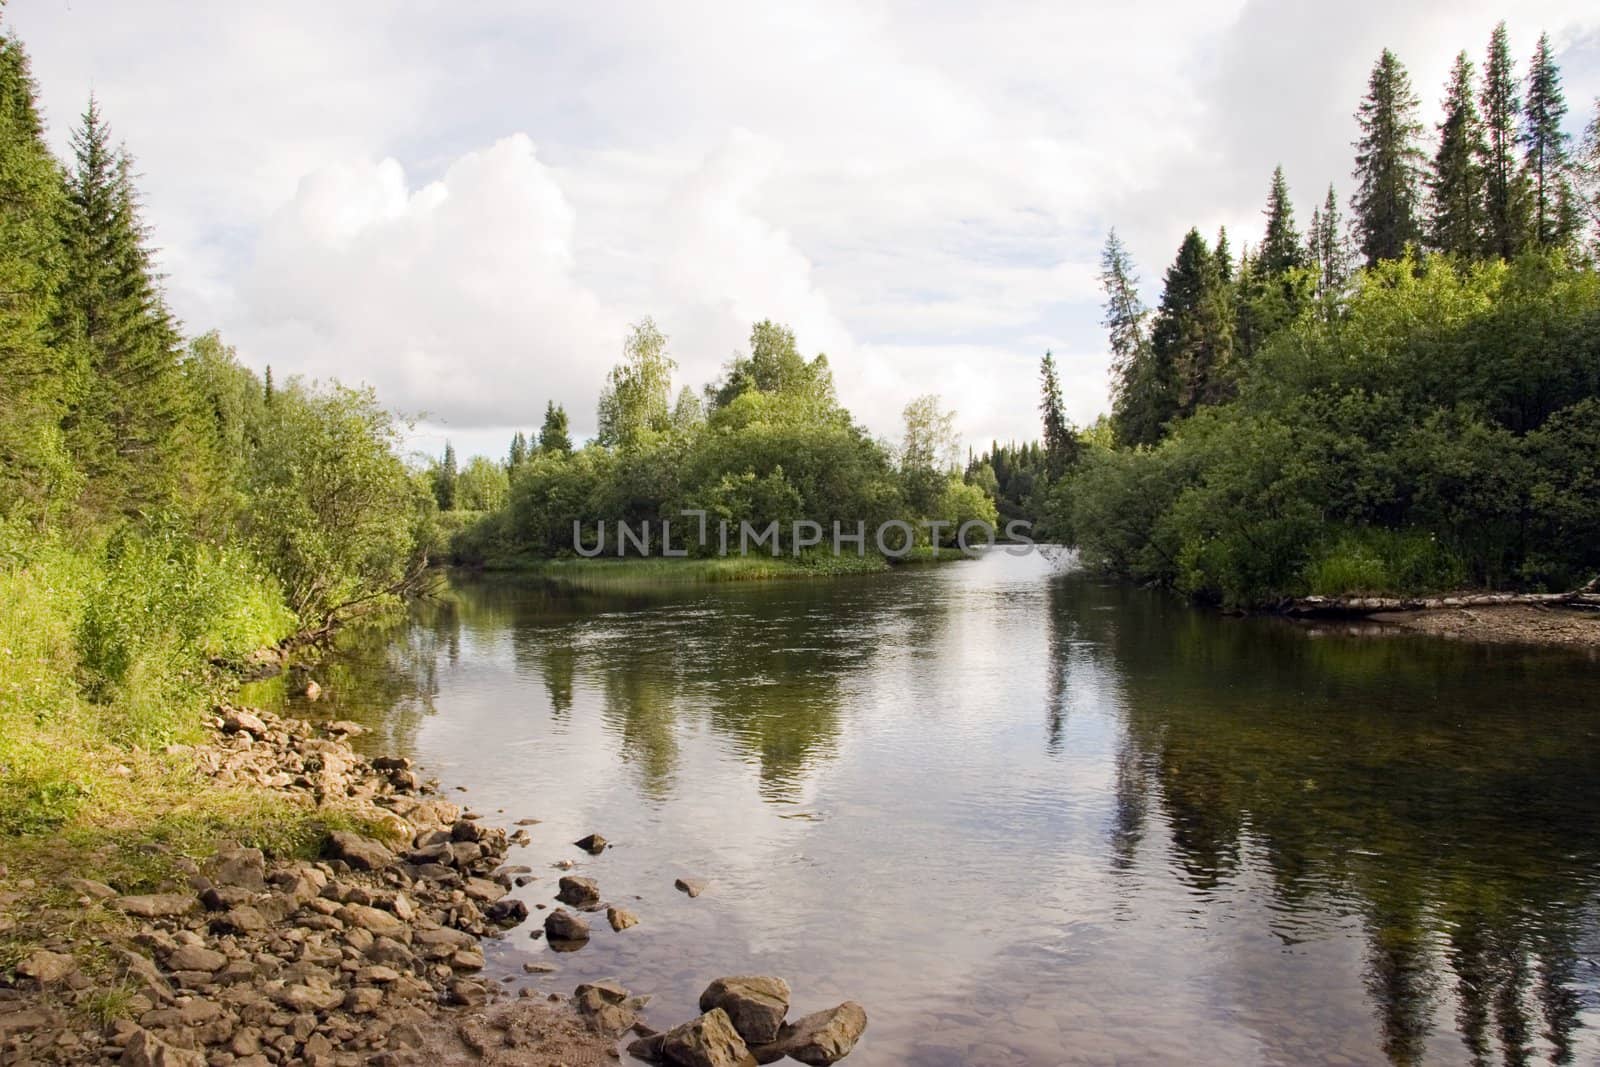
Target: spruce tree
x=1388, y=163
x=553, y=435
x=1280, y=250
x=1141, y=393
x=128, y=421
x=1193, y=335
x=1545, y=151
x=446, y=479
x=1328, y=249
x=1060, y=443
x=519, y=450
x=1224, y=254
x=1505, y=193
x=36, y=474
x=1457, y=221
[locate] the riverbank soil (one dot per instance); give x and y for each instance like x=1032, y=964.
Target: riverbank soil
x=1510, y=624
x=208, y=951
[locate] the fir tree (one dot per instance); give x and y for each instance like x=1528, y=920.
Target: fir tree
x=36, y=474
x=1280, y=250
x=1060, y=443
x=1193, y=335
x=1224, y=255
x=128, y=417
x=1388, y=163
x=446, y=479
x=1505, y=194
x=1329, y=251
x=1140, y=391
x=1545, y=151
x=554, y=437
x=519, y=450
x=266, y=393
x=1457, y=220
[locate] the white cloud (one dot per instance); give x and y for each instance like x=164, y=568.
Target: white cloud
x=918, y=189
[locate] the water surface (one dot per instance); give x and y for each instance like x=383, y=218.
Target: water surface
x=1030, y=817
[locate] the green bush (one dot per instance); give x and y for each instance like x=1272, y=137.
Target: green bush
x=1383, y=562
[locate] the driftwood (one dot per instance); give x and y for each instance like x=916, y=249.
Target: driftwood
x=1586, y=596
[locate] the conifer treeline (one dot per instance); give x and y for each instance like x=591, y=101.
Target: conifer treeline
x=112, y=426
x=1503, y=178
x=1408, y=405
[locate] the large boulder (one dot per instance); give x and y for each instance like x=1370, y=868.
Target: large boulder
x=156, y=905
x=244, y=868
x=709, y=1041
x=563, y=926
x=361, y=853
x=144, y=1049
x=819, y=1038
x=756, y=1004
x=47, y=968
x=579, y=892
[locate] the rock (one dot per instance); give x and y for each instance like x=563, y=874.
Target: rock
x=709, y=1041
x=244, y=919
x=47, y=968
x=820, y=1038
x=361, y=853
x=648, y=1048
x=237, y=720
x=621, y=918
x=538, y=968
x=374, y=920
x=506, y=912
x=310, y=997
x=91, y=889
x=467, y=994
x=562, y=925
x=242, y=867
x=144, y=1049
x=156, y=905
x=594, y=844
x=692, y=886
x=579, y=892
x=756, y=1005
x=313, y=691
x=605, y=1006
x=196, y=958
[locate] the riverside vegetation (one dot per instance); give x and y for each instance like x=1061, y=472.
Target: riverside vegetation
x=1412, y=406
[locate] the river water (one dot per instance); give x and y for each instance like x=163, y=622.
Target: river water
x=1026, y=816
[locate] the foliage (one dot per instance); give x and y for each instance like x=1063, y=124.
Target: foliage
x=1388, y=163
x=334, y=512
x=1437, y=428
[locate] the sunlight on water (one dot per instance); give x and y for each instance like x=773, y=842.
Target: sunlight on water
x=1027, y=817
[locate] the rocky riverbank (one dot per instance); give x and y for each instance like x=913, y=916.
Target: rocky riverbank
x=369, y=954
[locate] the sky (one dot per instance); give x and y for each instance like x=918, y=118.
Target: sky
x=466, y=205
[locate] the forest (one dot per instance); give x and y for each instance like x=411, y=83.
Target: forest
x=1405, y=402
x=163, y=509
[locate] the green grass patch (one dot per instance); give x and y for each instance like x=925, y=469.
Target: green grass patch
x=1376, y=562
x=623, y=573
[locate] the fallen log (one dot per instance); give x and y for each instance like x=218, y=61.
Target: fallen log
x=1311, y=606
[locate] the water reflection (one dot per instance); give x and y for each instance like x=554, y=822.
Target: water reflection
x=1220, y=835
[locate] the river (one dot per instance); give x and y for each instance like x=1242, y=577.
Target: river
x=1027, y=816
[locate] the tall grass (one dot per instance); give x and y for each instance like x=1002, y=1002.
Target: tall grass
x=105, y=654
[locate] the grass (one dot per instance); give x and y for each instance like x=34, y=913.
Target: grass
x=104, y=664
x=616, y=573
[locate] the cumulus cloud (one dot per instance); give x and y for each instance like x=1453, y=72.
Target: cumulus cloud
x=919, y=190
x=457, y=298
